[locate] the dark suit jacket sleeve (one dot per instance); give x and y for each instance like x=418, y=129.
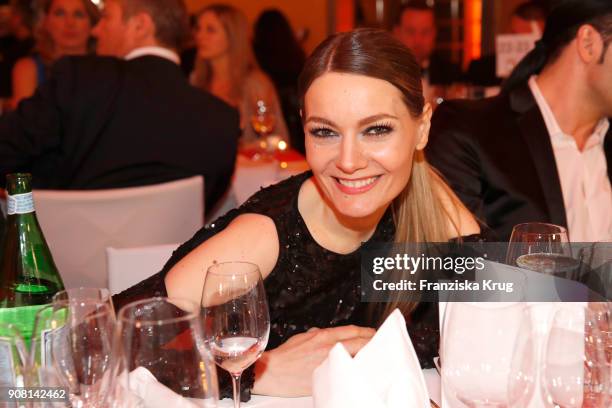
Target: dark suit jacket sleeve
x=451, y=151
x=35, y=127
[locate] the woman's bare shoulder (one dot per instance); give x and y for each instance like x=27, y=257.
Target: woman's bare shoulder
x=248, y=238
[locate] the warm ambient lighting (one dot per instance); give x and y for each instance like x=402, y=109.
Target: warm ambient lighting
x=282, y=145
x=473, y=30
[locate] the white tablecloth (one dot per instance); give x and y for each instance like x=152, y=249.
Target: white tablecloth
x=432, y=379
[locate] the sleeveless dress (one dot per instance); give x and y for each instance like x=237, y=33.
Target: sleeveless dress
x=309, y=286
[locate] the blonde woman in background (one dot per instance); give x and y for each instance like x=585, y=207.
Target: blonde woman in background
x=63, y=29
x=225, y=66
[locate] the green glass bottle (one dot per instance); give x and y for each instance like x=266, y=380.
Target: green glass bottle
x=28, y=275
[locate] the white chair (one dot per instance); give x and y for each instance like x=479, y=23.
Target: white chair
x=80, y=225
x=128, y=266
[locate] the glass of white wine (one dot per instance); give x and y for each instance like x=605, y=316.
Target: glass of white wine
x=263, y=122
x=237, y=321
x=543, y=248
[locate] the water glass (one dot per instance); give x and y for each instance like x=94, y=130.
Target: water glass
x=161, y=356
x=487, y=354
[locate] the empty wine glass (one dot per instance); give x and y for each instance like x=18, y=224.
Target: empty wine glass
x=161, y=356
x=542, y=248
x=576, y=372
x=236, y=317
x=487, y=354
x=73, y=347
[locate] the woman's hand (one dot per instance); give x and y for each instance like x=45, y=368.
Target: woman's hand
x=287, y=370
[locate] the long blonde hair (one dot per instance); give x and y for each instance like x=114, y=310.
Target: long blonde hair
x=242, y=60
x=418, y=211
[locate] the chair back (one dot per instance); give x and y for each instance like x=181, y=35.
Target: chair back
x=80, y=225
x=128, y=266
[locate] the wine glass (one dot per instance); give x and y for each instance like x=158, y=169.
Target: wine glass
x=72, y=347
x=263, y=122
x=487, y=354
x=13, y=356
x=161, y=356
x=596, y=262
x=542, y=248
x=101, y=295
x=576, y=372
x=236, y=317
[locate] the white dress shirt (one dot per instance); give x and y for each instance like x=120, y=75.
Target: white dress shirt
x=153, y=50
x=585, y=185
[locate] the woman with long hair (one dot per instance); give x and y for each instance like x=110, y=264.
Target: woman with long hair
x=366, y=124
x=225, y=66
x=63, y=29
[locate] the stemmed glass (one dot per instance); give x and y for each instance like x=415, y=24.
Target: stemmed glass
x=100, y=295
x=13, y=356
x=72, y=348
x=596, y=261
x=487, y=354
x=236, y=317
x=542, y=248
x=161, y=356
x=263, y=122
x=576, y=370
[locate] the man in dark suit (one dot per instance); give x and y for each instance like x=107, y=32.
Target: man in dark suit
x=542, y=149
x=416, y=29
x=106, y=122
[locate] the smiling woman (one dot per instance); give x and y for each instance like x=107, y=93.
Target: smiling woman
x=366, y=125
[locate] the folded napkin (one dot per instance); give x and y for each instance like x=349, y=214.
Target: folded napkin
x=145, y=391
x=384, y=374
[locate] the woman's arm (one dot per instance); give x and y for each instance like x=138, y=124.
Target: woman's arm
x=24, y=80
x=249, y=237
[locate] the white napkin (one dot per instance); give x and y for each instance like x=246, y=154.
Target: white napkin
x=146, y=391
x=385, y=373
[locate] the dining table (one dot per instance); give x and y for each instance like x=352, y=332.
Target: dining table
x=431, y=375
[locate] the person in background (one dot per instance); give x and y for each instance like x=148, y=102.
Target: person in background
x=366, y=124
x=281, y=57
x=129, y=118
x=527, y=18
x=17, y=45
x=542, y=149
x=189, y=50
x=416, y=28
x=226, y=67
x=64, y=29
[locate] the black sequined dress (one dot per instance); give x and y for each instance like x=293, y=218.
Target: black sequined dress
x=309, y=286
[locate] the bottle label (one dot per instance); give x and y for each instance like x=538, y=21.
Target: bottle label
x=7, y=365
x=20, y=204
